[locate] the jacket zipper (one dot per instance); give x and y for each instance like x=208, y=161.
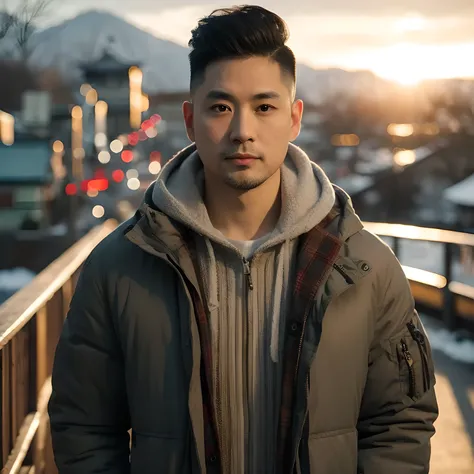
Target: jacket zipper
x=343, y=273
x=247, y=273
x=300, y=437
x=350, y=281
x=411, y=372
x=419, y=338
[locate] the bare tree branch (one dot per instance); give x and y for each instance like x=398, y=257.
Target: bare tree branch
x=22, y=21
x=29, y=12
x=7, y=20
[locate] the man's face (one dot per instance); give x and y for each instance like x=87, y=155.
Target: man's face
x=242, y=117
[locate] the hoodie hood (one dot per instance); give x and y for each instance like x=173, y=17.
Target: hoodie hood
x=307, y=196
x=306, y=192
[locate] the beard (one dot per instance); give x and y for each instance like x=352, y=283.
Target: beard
x=244, y=183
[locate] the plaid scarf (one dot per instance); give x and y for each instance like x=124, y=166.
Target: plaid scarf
x=316, y=256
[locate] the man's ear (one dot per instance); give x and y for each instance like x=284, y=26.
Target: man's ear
x=188, y=114
x=296, y=117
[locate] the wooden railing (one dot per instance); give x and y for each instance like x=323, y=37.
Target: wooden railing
x=30, y=325
x=453, y=298
x=31, y=322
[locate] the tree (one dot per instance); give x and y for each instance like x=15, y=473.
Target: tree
x=15, y=79
x=27, y=15
x=21, y=23
x=6, y=22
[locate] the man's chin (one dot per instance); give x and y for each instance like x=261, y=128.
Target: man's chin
x=242, y=183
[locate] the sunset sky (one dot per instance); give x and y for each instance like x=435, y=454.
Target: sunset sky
x=406, y=40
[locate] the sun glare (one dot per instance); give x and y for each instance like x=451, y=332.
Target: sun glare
x=401, y=63
x=411, y=23
x=409, y=64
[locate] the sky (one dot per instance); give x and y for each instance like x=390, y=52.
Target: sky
x=403, y=40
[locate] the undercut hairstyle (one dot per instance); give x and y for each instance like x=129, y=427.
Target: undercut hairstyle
x=239, y=32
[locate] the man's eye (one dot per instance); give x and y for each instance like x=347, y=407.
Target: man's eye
x=219, y=108
x=265, y=107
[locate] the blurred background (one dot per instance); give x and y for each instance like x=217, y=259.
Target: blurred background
x=90, y=109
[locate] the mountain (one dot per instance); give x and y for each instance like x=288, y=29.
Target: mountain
x=87, y=36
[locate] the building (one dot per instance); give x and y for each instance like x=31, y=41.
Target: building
x=461, y=196
x=109, y=77
x=26, y=185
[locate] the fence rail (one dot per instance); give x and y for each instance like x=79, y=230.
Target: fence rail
x=31, y=322
x=453, y=299
x=30, y=325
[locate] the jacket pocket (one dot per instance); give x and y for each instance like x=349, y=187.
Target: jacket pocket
x=416, y=365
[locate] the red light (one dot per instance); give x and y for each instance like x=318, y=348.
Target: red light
x=100, y=184
x=99, y=173
x=142, y=136
x=70, y=189
x=85, y=185
x=155, y=156
x=127, y=156
x=154, y=119
x=147, y=124
x=118, y=175
x=133, y=138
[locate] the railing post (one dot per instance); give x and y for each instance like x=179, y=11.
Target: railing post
x=449, y=314
x=6, y=402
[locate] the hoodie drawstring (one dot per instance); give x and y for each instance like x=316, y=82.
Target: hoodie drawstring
x=279, y=297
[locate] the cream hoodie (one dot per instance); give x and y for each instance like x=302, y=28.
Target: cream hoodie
x=246, y=286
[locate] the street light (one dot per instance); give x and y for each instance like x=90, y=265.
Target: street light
x=136, y=97
x=101, y=108
x=7, y=128
x=76, y=141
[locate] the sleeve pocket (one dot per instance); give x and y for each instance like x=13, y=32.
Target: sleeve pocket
x=415, y=362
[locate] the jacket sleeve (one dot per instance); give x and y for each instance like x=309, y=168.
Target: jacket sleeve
x=88, y=408
x=399, y=405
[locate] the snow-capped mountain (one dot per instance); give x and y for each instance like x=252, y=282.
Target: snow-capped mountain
x=86, y=37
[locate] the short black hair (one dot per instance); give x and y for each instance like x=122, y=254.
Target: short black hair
x=239, y=32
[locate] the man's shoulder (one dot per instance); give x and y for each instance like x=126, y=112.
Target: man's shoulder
x=386, y=269
x=370, y=247
x=114, y=250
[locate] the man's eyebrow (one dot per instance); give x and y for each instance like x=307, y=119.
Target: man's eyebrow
x=223, y=95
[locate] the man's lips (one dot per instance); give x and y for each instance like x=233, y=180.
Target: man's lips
x=242, y=159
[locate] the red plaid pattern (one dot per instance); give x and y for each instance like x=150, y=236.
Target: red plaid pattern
x=316, y=257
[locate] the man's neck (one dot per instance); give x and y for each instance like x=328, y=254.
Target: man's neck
x=244, y=215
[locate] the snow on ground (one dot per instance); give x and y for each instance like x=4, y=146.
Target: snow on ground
x=429, y=256
x=13, y=280
x=458, y=347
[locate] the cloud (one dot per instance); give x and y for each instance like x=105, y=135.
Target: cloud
x=325, y=32
x=428, y=8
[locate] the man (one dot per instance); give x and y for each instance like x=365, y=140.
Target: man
x=243, y=322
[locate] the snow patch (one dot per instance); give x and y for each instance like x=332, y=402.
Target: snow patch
x=447, y=342
x=14, y=279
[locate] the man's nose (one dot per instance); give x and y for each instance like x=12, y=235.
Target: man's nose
x=242, y=128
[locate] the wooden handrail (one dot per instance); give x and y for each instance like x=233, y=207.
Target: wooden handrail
x=24, y=304
x=30, y=325
x=449, y=240
x=426, y=234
